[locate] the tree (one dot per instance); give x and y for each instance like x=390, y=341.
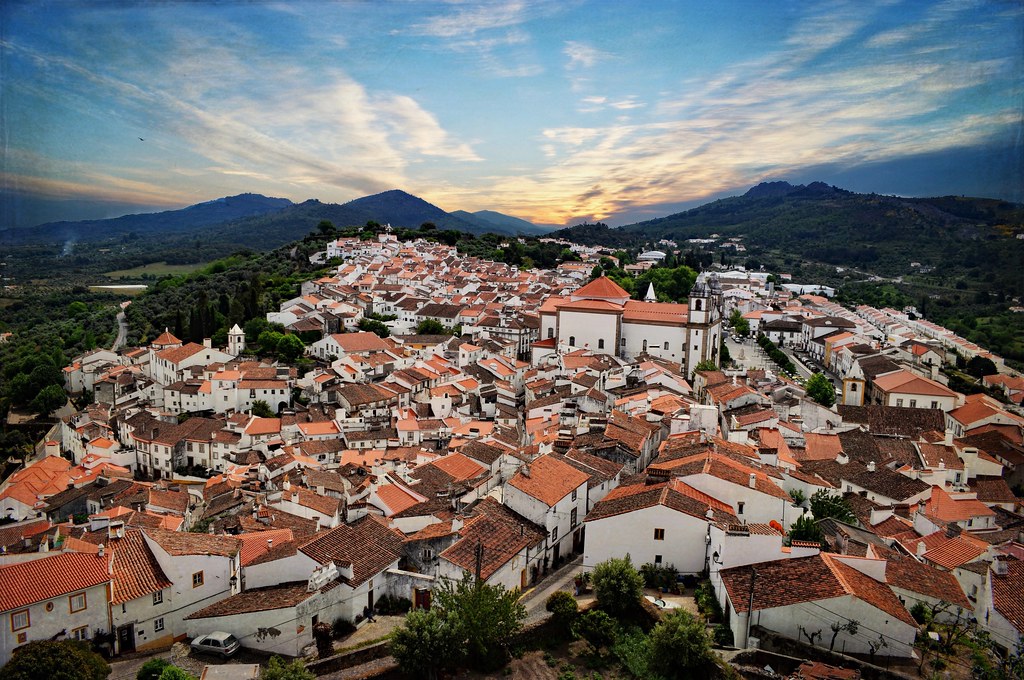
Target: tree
x=979, y=366
x=488, y=616
x=50, y=399
x=261, y=409
x=290, y=347
x=431, y=327
x=374, y=326
x=681, y=648
x=738, y=323
x=806, y=529
x=77, y=309
x=427, y=642
x=55, y=660
x=618, y=585
x=326, y=227
x=277, y=669
x=824, y=504
x=820, y=389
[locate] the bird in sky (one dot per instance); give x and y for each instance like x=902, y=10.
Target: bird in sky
x=141, y=139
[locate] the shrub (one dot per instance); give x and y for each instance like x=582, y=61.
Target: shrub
x=680, y=647
x=175, y=673
x=562, y=605
x=707, y=603
x=921, y=613
x=152, y=669
x=723, y=635
x=54, y=660
x=277, y=669
x=597, y=628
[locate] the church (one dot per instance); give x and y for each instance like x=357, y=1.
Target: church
x=602, y=318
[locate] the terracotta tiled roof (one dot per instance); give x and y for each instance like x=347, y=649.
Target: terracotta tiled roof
x=903, y=571
x=1008, y=593
x=23, y=583
x=673, y=494
x=549, y=481
x=368, y=544
x=459, y=466
x=665, y=312
x=601, y=287
x=135, y=571
x=397, y=498
x=948, y=509
x=269, y=598
x=501, y=532
x=255, y=545
x=807, y=579
x=186, y=543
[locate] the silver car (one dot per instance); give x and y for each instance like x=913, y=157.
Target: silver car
x=217, y=642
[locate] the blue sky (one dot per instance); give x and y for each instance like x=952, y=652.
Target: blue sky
x=551, y=111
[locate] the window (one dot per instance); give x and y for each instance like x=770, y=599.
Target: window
x=572, y=517
x=158, y=625
x=600, y=343
x=739, y=507
x=428, y=554
x=622, y=342
x=853, y=387
x=645, y=345
x=197, y=579
x=899, y=402
x=666, y=345
x=572, y=340
x=574, y=494
x=158, y=597
x=551, y=332
x=657, y=559
x=554, y=534
x=659, y=534
x=20, y=620
x=935, y=404
x=77, y=602
x=913, y=403
x=80, y=633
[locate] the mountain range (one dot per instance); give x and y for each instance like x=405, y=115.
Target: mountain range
x=275, y=221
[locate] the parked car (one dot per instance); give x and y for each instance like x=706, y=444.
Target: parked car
x=217, y=642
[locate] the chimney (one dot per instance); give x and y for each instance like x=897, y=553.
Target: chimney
x=921, y=548
x=871, y=466
x=953, y=530
x=948, y=439
x=100, y=550
x=525, y=470
x=1000, y=568
x=457, y=524
x=752, y=480
x=270, y=543
x=208, y=343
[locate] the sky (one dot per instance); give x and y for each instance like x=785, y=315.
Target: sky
x=555, y=112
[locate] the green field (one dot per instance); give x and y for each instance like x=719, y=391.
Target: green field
x=155, y=269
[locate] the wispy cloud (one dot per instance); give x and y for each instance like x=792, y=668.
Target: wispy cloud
x=582, y=55
x=467, y=21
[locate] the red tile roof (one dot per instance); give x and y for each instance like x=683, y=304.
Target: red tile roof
x=674, y=494
x=135, y=570
x=601, y=287
x=367, y=544
x=549, y=481
x=37, y=580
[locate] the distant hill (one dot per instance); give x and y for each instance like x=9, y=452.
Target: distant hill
x=400, y=209
x=500, y=223
x=827, y=224
x=170, y=221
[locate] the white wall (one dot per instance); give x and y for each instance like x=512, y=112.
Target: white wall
x=656, y=336
x=587, y=329
x=633, y=533
x=44, y=625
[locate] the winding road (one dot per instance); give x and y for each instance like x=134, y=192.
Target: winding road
x=122, y=332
